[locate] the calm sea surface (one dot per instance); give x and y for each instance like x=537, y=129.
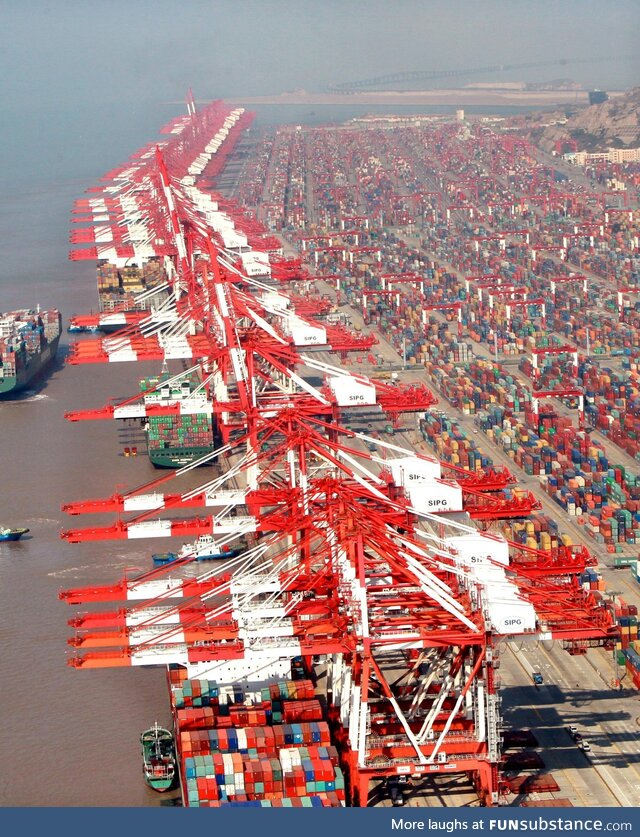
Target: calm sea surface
x=70, y=738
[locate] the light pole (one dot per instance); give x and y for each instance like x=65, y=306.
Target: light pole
x=611, y=602
x=588, y=346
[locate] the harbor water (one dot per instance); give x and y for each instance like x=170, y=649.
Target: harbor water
x=70, y=738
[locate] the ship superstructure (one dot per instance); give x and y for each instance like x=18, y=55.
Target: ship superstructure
x=177, y=440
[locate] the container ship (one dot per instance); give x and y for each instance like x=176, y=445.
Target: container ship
x=28, y=344
x=174, y=441
x=126, y=293
x=262, y=747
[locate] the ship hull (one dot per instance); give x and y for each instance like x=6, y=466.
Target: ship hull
x=13, y=535
x=162, y=558
x=159, y=785
x=111, y=329
x=27, y=374
x=178, y=457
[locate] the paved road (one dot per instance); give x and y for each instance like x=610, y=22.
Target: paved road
x=573, y=693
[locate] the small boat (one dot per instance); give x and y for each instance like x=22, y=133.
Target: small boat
x=158, y=758
x=203, y=548
x=7, y=534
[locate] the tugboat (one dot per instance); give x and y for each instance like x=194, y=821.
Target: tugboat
x=158, y=758
x=7, y=534
x=204, y=548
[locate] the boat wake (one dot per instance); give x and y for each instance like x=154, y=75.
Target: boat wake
x=27, y=397
x=129, y=566
x=73, y=572
x=36, y=396
x=22, y=398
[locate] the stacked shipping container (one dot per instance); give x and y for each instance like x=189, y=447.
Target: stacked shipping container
x=268, y=748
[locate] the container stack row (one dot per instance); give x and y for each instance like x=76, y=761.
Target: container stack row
x=628, y=646
x=476, y=385
x=518, y=261
x=501, y=216
x=451, y=445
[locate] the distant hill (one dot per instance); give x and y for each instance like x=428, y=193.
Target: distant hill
x=613, y=124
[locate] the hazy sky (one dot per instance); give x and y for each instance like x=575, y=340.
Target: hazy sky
x=122, y=50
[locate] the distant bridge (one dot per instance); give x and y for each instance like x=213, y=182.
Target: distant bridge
x=428, y=75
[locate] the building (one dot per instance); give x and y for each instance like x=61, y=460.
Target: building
x=612, y=155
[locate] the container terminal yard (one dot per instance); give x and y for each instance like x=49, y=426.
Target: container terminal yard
x=415, y=345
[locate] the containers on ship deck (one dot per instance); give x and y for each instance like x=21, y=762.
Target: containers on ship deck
x=28, y=344
x=180, y=431
x=175, y=440
x=269, y=747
